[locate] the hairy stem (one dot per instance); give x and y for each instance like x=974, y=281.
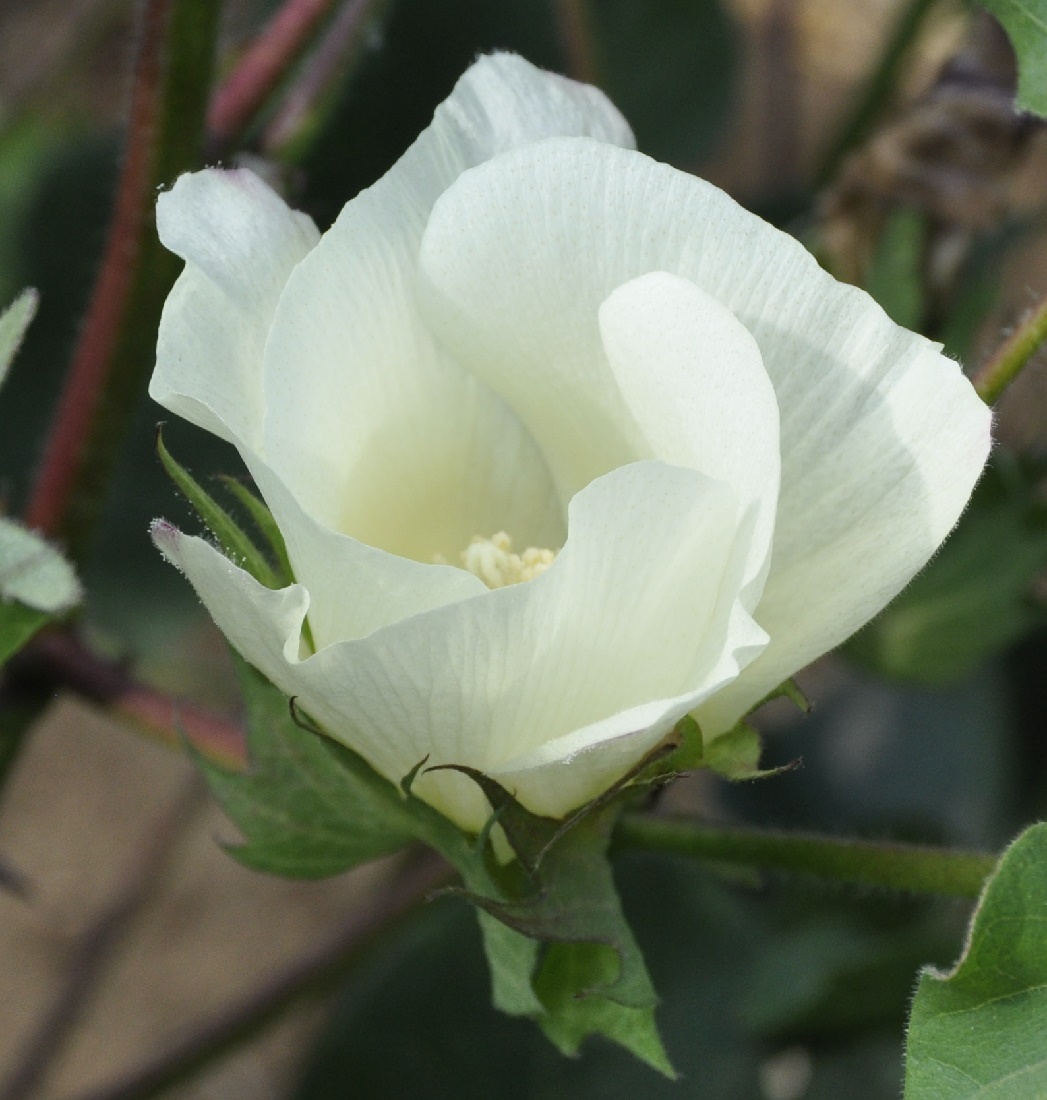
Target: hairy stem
x=1007, y=362
x=115, y=351
x=861, y=862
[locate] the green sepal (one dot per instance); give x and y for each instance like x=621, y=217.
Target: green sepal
x=235, y=544
x=263, y=520
x=734, y=755
x=787, y=689
x=981, y=1030
x=569, y=1018
x=591, y=979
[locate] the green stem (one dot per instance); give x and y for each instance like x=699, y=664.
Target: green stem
x=859, y=121
x=891, y=866
x=1006, y=363
x=115, y=352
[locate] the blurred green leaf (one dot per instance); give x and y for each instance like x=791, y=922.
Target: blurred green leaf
x=25, y=148
x=13, y=323
x=982, y=1030
x=1026, y=24
x=894, y=278
x=35, y=573
x=307, y=807
x=18, y=624
x=975, y=597
x=669, y=67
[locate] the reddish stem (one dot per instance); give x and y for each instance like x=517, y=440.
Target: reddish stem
x=62, y=658
x=263, y=64
x=67, y=440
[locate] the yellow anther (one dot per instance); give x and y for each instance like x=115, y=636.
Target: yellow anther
x=493, y=561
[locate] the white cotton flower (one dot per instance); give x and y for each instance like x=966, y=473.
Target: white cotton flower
x=715, y=461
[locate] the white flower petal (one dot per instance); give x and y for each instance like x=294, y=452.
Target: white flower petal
x=882, y=438
x=375, y=429
x=638, y=620
x=693, y=380
x=240, y=242
x=355, y=588
x=33, y=572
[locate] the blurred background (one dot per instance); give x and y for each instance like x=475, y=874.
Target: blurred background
x=882, y=133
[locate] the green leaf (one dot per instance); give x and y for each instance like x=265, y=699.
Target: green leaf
x=894, y=277
x=18, y=624
x=981, y=1031
x=1026, y=24
x=231, y=538
x=307, y=807
x=975, y=597
x=13, y=323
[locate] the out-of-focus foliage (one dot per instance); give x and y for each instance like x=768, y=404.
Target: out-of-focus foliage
x=982, y=1029
x=677, y=100
x=978, y=596
x=894, y=277
x=36, y=582
x=1026, y=23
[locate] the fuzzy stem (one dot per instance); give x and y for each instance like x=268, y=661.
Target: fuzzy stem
x=115, y=351
x=905, y=867
x=1006, y=363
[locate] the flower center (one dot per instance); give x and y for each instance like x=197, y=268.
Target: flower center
x=493, y=561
